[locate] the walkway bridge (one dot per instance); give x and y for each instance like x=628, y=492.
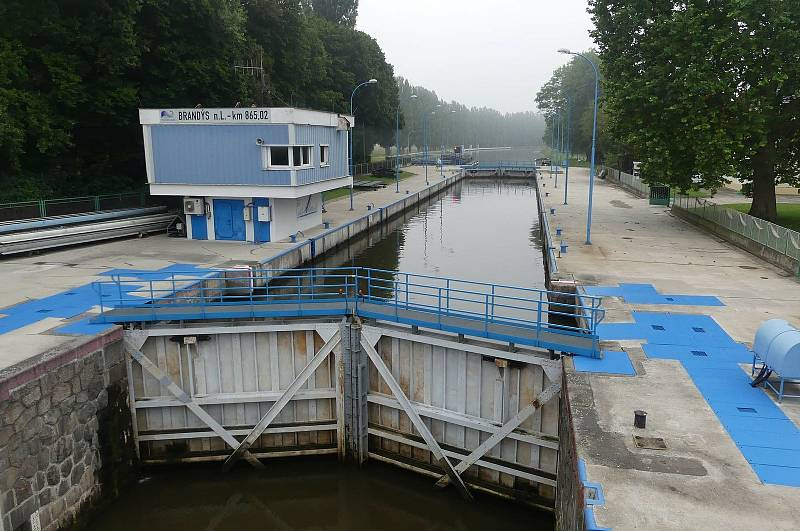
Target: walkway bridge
x=507, y=168
x=229, y=365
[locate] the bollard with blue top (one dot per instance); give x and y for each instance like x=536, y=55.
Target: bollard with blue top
x=563, y=247
x=558, y=231
x=552, y=211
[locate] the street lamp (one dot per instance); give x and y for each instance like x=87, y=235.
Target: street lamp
x=594, y=137
x=568, y=136
x=370, y=82
x=397, y=142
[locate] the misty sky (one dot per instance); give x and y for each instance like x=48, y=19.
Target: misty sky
x=493, y=53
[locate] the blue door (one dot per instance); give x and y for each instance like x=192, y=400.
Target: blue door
x=199, y=227
x=260, y=228
x=229, y=219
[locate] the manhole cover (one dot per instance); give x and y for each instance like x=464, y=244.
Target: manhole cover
x=649, y=443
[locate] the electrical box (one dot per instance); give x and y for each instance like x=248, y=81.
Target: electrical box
x=246, y=214
x=263, y=214
x=193, y=205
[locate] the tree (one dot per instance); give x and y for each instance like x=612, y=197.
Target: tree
x=707, y=89
x=342, y=12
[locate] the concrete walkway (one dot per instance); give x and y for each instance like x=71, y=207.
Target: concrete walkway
x=47, y=281
x=701, y=480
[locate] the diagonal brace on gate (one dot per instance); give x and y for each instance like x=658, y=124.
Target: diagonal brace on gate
x=156, y=372
x=241, y=449
x=416, y=420
x=513, y=423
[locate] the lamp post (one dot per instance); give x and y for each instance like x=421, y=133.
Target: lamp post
x=568, y=136
x=370, y=82
x=594, y=138
x=397, y=142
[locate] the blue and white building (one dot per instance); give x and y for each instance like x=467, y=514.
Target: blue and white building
x=246, y=174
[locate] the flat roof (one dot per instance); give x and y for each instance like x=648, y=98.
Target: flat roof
x=243, y=115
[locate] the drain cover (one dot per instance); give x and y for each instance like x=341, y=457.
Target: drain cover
x=649, y=443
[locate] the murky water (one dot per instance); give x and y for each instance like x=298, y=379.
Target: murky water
x=307, y=494
x=484, y=230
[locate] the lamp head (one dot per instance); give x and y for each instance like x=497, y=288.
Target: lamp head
x=372, y=81
x=413, y=96
x=564, y=50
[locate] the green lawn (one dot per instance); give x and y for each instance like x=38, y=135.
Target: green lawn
x=330, y=195
x=788, y=213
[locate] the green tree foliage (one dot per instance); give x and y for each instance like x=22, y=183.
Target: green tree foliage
x=705, y=88
x=453, y=123
x=574, y=83
x=337, y=11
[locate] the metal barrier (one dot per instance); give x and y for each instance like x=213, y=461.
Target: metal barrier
x=628, y=181
x=780, y=239
x=70, y=205
x=497, y=311
x=510, y=165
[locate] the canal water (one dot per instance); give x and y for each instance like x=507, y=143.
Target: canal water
x=480, y=229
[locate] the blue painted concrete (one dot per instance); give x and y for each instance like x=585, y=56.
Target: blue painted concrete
x=611, y=362
x=647, y=294
x=766, y=437
x=74, y=302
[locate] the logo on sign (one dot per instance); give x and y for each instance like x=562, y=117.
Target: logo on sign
x=167, y=115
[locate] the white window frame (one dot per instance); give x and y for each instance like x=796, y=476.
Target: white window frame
x=309, y=164
x=266, y=158
x=327, y=162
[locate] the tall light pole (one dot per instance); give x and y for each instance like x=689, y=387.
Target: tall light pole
x=397, y=142
x=370, y=82
x=425, y=153
x=594, y=138
x=568, y=136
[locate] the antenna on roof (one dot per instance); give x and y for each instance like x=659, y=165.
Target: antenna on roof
x=255, y=67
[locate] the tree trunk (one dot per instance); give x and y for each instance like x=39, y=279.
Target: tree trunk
x=763, y=206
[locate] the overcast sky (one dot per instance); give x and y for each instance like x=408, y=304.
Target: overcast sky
x=493, y=53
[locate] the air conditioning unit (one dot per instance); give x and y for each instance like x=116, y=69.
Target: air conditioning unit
x=193, y=205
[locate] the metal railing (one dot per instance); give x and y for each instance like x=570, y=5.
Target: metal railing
x=353, y=290
x=626, y=180
x=70, y=205
x=780, y=239
x=520, y=165
x=366, y=168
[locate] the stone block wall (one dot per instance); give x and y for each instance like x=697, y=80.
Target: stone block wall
x=64, y=436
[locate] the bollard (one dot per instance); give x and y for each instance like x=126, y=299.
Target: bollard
x=326, y=224
x=639, y=419
x=558, y=231
x=552, y=211
x=293, y=238
x=563, y=248
x=547, y=194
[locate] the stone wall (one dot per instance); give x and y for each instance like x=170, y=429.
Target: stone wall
x=569, y=495
x=63, y=418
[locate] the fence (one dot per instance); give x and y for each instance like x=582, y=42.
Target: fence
x=628, y=182
x=366, y=168
x=70, y=205
x=772, y=242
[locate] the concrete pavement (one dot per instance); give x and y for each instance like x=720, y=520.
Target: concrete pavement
x=702, y=480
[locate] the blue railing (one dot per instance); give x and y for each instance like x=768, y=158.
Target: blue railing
x=512, y=313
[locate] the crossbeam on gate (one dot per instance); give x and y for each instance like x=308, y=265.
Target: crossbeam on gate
x=132, y=345
x=241, y=448
x=544, y=397
x=416, y=420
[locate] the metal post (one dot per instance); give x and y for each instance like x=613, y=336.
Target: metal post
x=569, y=148
x=397, y=154
x=350, y=135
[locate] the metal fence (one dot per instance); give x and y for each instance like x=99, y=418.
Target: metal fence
x=780, y=239
x=70, y=205
x=626, y=180
x=366, y=168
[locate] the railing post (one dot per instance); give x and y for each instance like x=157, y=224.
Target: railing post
x=369, y=284
x=486, y=314
x=448, y=296
x=439, y=313
x=539, y=316
x=406, y=291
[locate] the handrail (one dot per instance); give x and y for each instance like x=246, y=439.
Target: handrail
x=447, y=297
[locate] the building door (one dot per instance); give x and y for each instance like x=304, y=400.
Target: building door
x=229, y=219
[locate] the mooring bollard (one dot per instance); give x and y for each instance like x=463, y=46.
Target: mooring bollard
x=563, y=248
x=547, y=194
x=639, y=419
x=552, y=211
x=558, y=231
x=326, y=224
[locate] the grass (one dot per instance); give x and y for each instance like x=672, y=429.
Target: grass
x=788, y=214
x=330, y=195
x=701, y=193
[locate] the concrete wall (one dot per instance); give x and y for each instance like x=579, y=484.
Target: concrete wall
x=64, y=419
x=772, y=256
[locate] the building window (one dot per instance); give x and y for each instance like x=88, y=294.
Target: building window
x=278, y=157
x=301, y=156
x=323, y=155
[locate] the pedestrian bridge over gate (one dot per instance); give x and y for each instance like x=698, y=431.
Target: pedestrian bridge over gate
x=523, y=316
x=230, y=364
x=508, y=168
